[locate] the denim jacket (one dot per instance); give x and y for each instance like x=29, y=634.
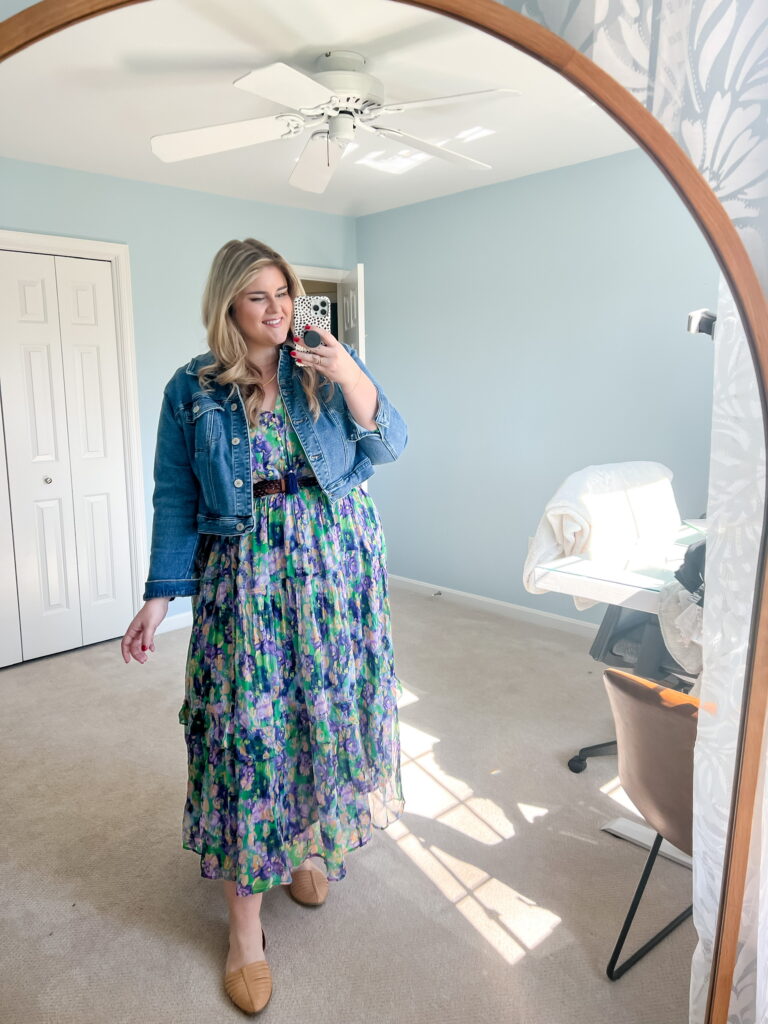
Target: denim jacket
x=203, y=462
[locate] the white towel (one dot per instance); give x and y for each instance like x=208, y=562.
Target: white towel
x=621, y=515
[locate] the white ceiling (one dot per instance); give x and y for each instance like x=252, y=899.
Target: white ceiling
x=91, y=97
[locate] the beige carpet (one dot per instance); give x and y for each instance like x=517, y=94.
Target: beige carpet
x=495, y=899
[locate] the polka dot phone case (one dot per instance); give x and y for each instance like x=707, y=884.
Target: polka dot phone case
x=314, y=310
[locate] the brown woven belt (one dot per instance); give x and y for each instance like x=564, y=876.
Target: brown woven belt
x=287, y=484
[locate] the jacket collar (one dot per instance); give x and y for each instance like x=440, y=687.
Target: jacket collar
x=198, y=362
x=195, y=364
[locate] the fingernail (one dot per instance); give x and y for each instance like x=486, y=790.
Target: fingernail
x=293, y=354
x=307, y=327
x=299, y=363
x=143, y=647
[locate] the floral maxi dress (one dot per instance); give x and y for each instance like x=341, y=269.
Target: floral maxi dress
x=290, y=707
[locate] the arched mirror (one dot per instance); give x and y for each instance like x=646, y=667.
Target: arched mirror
x=533, y=292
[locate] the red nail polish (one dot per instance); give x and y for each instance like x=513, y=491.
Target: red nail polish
x=308, y=327
x=293, y=354
x=143, y=647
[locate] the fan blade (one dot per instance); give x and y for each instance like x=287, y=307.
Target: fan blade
x=438, y=101
x=425, y=147
x=284, y=85
x=319, y=159
x=220, y=137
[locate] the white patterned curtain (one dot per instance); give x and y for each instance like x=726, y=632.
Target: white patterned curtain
x=701, y=67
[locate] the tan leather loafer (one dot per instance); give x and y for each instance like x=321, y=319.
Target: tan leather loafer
x=250, y=987
x=308, y=887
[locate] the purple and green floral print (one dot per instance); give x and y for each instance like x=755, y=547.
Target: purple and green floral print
x=290, y=707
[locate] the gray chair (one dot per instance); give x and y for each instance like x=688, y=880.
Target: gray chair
x=655, y=733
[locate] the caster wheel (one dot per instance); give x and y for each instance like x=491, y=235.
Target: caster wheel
x=577, y=764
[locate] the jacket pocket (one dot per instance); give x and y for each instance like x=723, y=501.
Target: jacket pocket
x=205, y=418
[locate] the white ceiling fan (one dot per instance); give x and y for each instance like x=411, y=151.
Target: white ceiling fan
x=332, y=105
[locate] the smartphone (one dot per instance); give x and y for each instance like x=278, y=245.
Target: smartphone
x=314, y=310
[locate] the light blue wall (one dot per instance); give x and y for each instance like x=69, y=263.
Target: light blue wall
x=11, y=7
x=172, y=234
x=527, y=330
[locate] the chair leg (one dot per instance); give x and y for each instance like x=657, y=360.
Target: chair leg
x=614, y=972
x=579, y=761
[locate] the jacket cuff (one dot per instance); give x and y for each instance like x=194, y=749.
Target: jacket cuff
x=381, y=419
x=361, y=432
x=170, y=588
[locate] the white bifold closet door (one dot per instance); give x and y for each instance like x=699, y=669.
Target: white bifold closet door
x=64, y=449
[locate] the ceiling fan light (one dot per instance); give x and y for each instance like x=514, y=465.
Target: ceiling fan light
x=341, y=128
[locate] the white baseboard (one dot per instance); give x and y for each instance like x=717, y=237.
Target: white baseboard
x=643, y=835
x=514, y=611
x=182, y=621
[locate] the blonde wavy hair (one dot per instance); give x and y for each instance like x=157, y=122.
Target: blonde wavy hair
x=234, y=265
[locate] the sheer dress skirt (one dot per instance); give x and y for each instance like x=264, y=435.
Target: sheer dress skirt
x=290, y=707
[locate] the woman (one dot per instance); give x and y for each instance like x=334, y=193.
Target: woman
x=290, y=708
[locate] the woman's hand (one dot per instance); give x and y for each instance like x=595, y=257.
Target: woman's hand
x=331, y=359
x=140, y=635
x=334, y=362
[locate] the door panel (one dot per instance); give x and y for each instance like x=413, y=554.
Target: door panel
x=51, y=532
x=352, y=310
x=92, y=386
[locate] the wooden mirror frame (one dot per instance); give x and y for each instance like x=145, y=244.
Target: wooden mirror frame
x=48, y=16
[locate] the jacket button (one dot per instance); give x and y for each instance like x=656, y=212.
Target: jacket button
x=195, y=408
x=235, y=440
x=233, y=407
x=238, y=482
x=240, y=527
